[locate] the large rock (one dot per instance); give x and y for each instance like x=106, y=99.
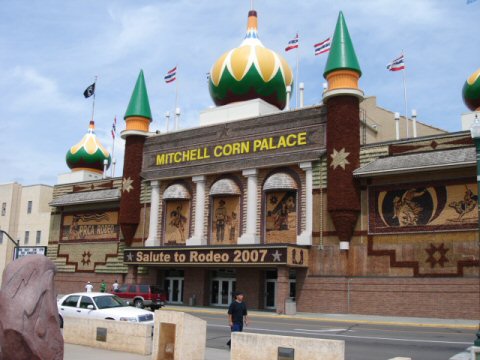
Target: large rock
x=29, y=324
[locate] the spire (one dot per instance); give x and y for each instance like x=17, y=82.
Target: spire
x=139, y=106
x=342, y=54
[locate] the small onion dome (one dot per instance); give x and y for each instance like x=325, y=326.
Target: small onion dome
x=88, y=154
x=471, y=91
x=250, y=71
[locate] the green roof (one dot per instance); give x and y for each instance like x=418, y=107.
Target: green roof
x=342, y=54
x=139, y=104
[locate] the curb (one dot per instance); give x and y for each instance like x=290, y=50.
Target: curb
x=309, y=318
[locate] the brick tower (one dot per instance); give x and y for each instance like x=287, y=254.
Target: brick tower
x=138, y=118
x=342, y=98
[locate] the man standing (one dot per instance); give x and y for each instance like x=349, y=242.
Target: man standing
x=103, y=286
x=89, y=287
x=237, y=314
x=115, y=286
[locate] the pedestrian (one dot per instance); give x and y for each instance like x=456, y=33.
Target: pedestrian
x=237, y=314
x=89, y=287
x=115, y=286
x=103, y=286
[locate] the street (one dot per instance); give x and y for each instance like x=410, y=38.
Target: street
x=363, y=341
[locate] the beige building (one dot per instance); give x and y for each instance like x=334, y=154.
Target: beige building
x=25, y=216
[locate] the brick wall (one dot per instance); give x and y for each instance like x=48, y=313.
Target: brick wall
x=428, y=297
x=251, y=282
x=67, y=283
x=196, y=282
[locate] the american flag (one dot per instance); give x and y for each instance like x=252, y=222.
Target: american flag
x=292, y=44
x=171, y=75
x=397, y=64
x=323, y=47
x=114, y=127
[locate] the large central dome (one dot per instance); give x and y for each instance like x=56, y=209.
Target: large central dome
x=250, y=71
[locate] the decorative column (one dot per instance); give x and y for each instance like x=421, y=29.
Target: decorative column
x=198, y=237
x=250, y=235
x=305, y=238
x=153, y=239
x=283, y=288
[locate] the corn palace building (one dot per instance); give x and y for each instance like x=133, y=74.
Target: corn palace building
x=324, y=205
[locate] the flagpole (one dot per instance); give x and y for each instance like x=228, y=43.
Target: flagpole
x=113, y=146
x=297, y=83
x=94, y=91
x=176, y=99
x=405, y=94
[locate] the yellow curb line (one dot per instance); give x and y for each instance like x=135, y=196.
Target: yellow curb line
x=370, y=322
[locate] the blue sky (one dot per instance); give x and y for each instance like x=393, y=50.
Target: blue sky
x=50, y=52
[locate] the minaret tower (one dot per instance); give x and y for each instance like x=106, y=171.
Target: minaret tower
x=342, y=98
x=138, y=118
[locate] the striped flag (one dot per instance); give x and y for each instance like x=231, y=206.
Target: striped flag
x=397, y=64
x=171, y=75
x=323, y=47
x=114, y=127
x=292, y=44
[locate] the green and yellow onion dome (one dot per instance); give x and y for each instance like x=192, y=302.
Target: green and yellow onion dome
x=471, y=91
x=88, y=154
x=250, y=71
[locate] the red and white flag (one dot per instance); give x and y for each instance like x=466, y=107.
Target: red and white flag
x=114, y=127
x=292, y=44
x=323, y=47
x=171, y=75
x=397, y=64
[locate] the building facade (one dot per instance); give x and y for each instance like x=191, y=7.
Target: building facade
x=322, y=205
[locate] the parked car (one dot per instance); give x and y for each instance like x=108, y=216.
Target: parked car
x=100, y=306
x=142, y=296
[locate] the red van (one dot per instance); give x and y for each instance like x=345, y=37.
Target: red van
x=142, y=296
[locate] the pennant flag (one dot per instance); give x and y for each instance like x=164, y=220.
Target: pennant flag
x=171, y=75
x=114, y=127
x=397, y=64
x=323, y=47
x=292, y=44
x=89, y=91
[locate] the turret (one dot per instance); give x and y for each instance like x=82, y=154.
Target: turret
x=138, y=118
x=342, y=97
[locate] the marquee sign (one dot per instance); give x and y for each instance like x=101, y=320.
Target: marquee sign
x=289, y=255
x=22, y=251
x=273, y=140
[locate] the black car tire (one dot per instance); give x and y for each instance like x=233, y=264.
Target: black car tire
x=61, y=321
x=138, y=303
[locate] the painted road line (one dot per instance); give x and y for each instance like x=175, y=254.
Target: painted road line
x=293, y=332
x=322, y=330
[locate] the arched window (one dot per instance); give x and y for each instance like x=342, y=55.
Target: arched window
x=281, y=208
x=225, y=212
x=176, y=216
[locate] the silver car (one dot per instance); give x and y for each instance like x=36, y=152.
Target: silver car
x=100, y=306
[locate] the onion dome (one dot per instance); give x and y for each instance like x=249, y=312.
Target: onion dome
x=88, y=154
x=250, y=71
x=471, y=91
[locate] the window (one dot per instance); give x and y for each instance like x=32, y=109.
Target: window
x=39, y=237
x=1, y=237
x=132, y=288
x=71, y=301
x=123, y=288
x=29, y=207
x=4, y=209
x=27, y=235
x=85, y=302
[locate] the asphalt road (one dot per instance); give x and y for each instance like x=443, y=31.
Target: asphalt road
x=362, y=341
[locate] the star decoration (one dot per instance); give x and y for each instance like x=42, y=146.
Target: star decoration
x=339, y=158
x=129, y=256
x=276, y=256
x=435, y=259
x=86, y=258
x=127, y=184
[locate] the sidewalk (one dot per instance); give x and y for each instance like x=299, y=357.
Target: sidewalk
x=345, y=318
x=78, y=352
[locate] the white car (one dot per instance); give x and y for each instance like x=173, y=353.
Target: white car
x=96, y=305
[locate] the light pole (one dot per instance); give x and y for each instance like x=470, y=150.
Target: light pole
x=475, y=132
x=11, y=239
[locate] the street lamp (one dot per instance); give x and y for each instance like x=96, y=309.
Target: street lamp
x=475, y=132
x=16, y=243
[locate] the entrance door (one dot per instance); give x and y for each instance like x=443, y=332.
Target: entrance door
x=270, y=293
x=174, y=288
x=222, y=291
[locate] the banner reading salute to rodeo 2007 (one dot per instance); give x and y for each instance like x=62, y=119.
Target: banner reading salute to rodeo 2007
x=225, y=256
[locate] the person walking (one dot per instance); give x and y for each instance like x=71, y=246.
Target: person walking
x=89, y=287
x=115, y=286
x=103, y=286
x=237, y=314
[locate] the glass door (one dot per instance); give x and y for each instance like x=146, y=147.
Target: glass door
x=174, y=288
x=270, y=293
x=222, y=291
